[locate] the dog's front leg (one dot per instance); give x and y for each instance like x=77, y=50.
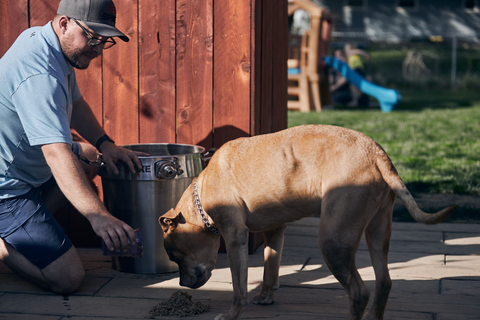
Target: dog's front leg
x=272, y=256
x=237, y=252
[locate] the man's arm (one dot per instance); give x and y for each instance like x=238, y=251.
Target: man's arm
x=72, y=181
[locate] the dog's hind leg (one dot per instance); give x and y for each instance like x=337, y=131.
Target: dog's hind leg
x=339, y=242
x=378, y=234
x=273, y=241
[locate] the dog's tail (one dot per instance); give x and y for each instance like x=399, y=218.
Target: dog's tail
x=391, y=177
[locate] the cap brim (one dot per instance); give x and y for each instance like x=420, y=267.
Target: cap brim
x=105, y=30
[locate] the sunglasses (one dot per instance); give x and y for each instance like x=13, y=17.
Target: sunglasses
x=92, y=41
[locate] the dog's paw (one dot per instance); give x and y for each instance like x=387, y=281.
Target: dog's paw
x=260, y=299
x=221, y=316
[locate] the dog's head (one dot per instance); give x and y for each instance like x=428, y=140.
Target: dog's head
x=193, y=248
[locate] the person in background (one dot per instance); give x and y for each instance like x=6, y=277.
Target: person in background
x=339, y=85
x=40, y=103
x=355, y=62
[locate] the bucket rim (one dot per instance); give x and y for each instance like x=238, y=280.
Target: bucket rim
x=202, y=149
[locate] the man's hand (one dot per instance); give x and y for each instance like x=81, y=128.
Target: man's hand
x=113, y=231
x=112, y=153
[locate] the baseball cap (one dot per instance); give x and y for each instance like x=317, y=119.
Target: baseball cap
x=98, y=15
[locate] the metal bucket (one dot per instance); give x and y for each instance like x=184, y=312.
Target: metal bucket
x=140, y=199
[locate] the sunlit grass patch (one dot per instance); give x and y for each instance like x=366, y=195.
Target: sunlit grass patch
x=432, y=138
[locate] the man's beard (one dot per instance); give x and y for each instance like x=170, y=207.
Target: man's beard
x=73, y=54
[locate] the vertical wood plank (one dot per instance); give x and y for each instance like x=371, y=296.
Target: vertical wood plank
x=194, y=55
x=157, y=71
x=120, y=85
x=13, y=21
x=231, y=70
x=267, y=66
x=279, y=70
x=42, y=11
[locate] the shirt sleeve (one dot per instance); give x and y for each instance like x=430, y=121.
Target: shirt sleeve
x=42, y=105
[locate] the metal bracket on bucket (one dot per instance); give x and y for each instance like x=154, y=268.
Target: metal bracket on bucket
x=167, y=169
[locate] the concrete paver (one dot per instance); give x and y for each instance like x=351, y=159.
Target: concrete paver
x=435, y=272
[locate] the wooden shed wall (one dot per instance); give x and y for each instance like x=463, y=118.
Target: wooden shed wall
x=190, y=67
x=194, y=71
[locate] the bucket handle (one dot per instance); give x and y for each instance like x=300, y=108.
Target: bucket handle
x=208, y=155
x=99, y=163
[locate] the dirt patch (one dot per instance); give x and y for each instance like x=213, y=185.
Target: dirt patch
x=180, y=304
x=467, y=212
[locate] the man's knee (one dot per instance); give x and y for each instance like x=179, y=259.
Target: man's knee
x=68, y=283
x=66, y=274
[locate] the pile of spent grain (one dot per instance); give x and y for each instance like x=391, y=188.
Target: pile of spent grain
x=180, y=304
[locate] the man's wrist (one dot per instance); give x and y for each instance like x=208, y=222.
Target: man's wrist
x=101, y=140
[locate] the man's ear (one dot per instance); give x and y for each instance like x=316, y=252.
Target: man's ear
x=62, y=23
x=170, y=220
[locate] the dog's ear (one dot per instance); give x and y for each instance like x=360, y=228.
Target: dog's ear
x=170, y=220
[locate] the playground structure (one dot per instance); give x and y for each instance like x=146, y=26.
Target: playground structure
x=308, y=61
x=304, y=61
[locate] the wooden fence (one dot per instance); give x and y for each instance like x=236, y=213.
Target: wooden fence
x=195, y=71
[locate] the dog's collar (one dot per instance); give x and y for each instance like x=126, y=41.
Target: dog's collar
x=198, y=204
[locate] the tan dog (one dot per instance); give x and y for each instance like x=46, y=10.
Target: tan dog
x=261, y=183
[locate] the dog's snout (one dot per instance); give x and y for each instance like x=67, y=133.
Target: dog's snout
x=183, y=282
x=197, y=278
x=199, y=271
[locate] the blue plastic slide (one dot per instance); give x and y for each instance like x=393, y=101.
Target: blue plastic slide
x=388, y=98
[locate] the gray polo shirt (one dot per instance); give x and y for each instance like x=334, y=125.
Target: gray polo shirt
x=37, y=91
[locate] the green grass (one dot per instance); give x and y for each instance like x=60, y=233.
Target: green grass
x=432, y=137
